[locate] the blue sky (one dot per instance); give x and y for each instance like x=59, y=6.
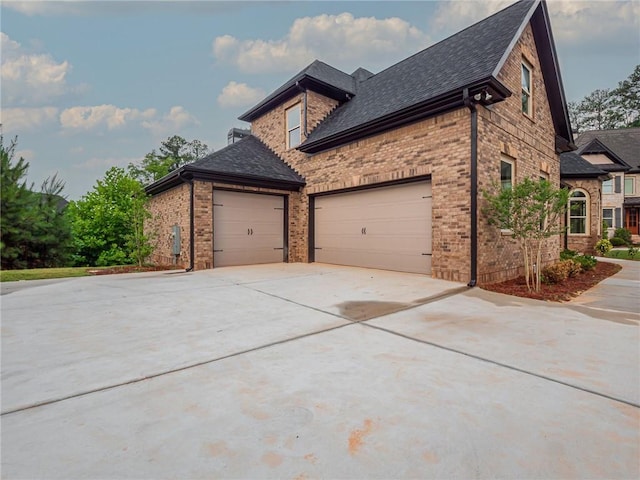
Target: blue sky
x=89, y=85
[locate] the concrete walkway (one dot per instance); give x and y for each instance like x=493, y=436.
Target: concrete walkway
x=620, y=292
x=313, y=371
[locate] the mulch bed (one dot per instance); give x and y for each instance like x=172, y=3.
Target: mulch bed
x=561, y=292
x=130, y=269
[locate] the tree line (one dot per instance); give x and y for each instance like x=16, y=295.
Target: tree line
x=39, y=228
x=606, y=109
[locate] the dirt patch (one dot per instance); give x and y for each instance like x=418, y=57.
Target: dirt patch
x=130, y=269
x=562, y=292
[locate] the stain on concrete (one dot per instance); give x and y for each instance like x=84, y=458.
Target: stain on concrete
x=217, y=449
x=311, y=458
x=366, y=310
x=356, y=438
x=272, y=459
x=430, y=457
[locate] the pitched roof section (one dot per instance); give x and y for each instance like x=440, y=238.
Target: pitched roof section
x=622, y=145
x=318, y=76
x=432, y=81
x=573, y=165
x=246, y=162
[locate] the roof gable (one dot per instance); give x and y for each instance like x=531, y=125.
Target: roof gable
x=317, y=76
x=621, y=145
x=573, y=165
x=433, y=80
x=246, y=162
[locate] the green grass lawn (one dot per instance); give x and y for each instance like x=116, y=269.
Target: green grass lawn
x=42, y=273
x=623, y=255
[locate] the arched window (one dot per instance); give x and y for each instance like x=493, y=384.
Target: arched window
x=578, y=213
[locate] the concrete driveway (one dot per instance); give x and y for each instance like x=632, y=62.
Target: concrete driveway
x=313, y=371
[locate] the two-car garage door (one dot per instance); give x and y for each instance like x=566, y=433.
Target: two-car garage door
x=387, y=228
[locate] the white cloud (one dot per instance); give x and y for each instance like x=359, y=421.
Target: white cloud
x=91, y=117
x=21, y=119
x=342, y=40
x=171, y=122
x=31, y=78
x=239, y=94
x=573, y=21
x=28, y=155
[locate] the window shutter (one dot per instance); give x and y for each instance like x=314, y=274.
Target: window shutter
x=618, y=219
x=618, y=184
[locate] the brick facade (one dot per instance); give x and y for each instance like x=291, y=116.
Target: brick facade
x=167, y=209
x=585, y=243
x=437, y=148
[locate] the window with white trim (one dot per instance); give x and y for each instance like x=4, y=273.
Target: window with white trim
x=293, y=126
x=629, y=185
x=607, y=217
x=506, y=173
x=578, y=213
x=526, y=89
x=607, y=186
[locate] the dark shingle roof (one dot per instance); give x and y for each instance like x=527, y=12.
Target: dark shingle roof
x=472, y=55
x=573, y=165
x=623, y=143
x=325, y=78
x=247, y=157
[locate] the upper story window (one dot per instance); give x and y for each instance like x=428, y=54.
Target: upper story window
x=578, y=207
x=293, y=126
x=607, y=186
x=526, y=89
x=506, y=173
x=629, y=185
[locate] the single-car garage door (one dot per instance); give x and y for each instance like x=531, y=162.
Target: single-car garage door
x=387, y=228
x=247, y=228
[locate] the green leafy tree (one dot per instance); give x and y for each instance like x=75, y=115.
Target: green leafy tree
x=107, y=223
x=608, y=109
x=34, y=231
x=531, y=210
x=173, y=153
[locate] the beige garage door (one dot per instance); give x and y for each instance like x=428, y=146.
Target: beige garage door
x=387, y=228
x=247, y=228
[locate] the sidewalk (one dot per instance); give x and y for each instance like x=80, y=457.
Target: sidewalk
x=620, y=292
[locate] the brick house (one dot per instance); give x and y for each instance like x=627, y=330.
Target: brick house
x=381, y=170
x=584, y=219
x=617, y=152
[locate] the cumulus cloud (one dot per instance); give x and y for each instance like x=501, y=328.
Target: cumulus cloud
x=31, y=78
x=27, y=154
x=342, y=40
x=574, y=21
x=21, y=119
x=177, y=118
x=91, y=117
x=239, y=94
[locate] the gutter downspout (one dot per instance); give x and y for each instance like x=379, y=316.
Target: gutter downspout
x=192, y=249
x=474, y=186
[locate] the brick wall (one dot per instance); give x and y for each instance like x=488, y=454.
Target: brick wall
x=530, y=143
x=585, y=243
x=167, y=209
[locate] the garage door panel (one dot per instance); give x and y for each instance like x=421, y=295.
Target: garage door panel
x=247, y=228
x=386, y=228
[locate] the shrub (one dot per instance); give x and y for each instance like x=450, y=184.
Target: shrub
x=617, y=242
x=603, y=246
x=567, y=254
x=624, y=234
x=587, y=262
x=605, y=230
x=632, y=252
x=574, y=269
x=557, y=272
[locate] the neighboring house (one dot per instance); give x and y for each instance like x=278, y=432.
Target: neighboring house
x=618, y=153
x=584, y=220
x=382, y=170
